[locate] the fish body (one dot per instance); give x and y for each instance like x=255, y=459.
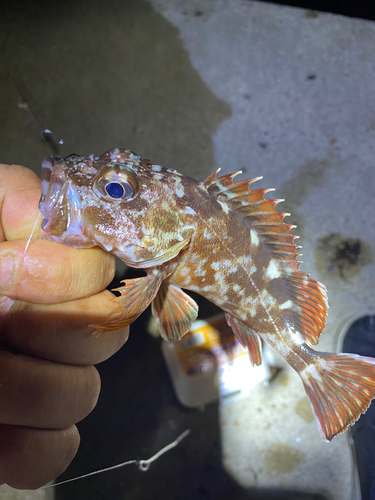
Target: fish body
x=218, y=238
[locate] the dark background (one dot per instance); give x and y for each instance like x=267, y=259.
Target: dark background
x=351, y=8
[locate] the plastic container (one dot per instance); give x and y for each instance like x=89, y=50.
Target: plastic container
x=209, y=363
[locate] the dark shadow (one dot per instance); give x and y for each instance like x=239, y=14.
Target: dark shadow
x=360, y=339
x=363, y=8
x=112, y=74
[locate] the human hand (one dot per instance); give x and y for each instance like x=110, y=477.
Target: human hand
x=48, y=297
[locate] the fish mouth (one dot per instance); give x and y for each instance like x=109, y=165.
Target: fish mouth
x=60, y=206
x=71, y=239
x=77, y=241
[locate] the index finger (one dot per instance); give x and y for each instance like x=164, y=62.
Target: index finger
x=50, y=273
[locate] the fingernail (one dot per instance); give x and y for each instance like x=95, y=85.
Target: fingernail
x=6, y=270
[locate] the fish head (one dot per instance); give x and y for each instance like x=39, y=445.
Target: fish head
x=129, y=207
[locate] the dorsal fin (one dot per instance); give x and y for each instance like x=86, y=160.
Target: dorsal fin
x=258, y=213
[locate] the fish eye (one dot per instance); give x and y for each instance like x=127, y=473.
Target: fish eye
x=116, y=190
x=116, y=183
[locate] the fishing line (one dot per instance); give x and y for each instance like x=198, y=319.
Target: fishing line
x=46, y=134
x=142, y=464
x=31, y=234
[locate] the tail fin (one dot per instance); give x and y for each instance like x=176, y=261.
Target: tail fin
x=340, y=388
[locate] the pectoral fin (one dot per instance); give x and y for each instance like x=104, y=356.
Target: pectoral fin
x=174, y=311
x=136, y=296
x=247, y=337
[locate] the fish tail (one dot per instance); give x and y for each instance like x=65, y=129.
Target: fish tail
x=340, y=388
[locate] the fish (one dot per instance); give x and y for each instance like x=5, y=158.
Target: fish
x=222, y=239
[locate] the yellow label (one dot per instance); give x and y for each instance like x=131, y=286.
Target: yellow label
x=208, y=345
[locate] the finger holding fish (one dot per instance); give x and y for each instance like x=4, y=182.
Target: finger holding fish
x=49, y=294
x=61, y=332
x=52, y=273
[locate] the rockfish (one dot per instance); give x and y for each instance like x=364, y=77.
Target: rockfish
x=218, y=238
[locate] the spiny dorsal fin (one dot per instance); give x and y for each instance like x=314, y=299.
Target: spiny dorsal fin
x=258, y=213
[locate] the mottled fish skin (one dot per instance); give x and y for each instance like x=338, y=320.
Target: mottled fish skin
x=218, y=238
x=81, y=216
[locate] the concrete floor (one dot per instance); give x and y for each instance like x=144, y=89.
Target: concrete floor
x=274, y=91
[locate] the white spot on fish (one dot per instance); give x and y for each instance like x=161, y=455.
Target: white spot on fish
x=313, y=371
x=253, y=269
x=184, y=271
x=253, y=312
x=254, y=238
x=190, y=211
x=244, y=261
x=279, y=346
x=224, y=206
x=179, y=188
x=158, y=177
x=220, y=280
x=187, y=280
x=286, y=305
x=267, y=299
x=215, y=265
x=227, y=263
x=201, y=271
x=273, y=271
x=156, y=168
x=207, y=233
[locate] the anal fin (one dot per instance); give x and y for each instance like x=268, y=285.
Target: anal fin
x=247, y=337
x=174, y=311
x=340, y=388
